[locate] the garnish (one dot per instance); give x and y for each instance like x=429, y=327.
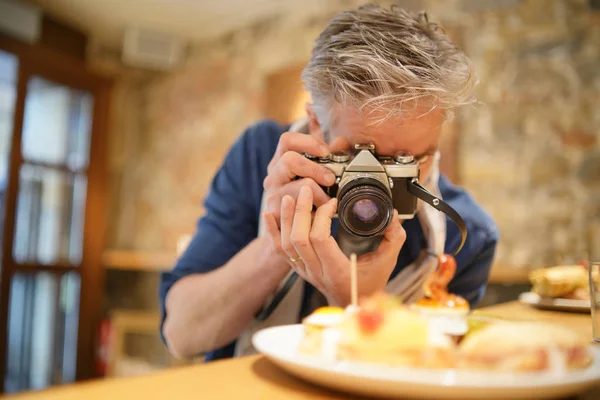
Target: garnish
x=369, y=320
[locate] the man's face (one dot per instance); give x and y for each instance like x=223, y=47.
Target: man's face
x=418, y=135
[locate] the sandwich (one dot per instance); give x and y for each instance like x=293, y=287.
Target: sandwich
x=523, y=347
x=561, y=281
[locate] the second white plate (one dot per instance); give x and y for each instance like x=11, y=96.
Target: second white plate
x=535, y=300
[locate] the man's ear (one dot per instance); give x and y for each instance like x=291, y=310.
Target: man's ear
x=313, y=122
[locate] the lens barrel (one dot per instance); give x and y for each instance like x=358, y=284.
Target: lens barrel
x=365, y=207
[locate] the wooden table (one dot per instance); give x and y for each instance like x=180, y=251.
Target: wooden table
x=254, y=377
x=578, y=322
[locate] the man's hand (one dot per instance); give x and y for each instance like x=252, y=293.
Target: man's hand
x=287, y=164
x=319, y=259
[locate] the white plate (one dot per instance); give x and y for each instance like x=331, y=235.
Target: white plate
x=535, y=300
x=279, y=344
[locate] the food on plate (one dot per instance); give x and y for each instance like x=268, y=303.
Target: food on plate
x=383, y=331
x=319, y=332
x=322, y=327
x=478, y=321
x=522, y=347
x=445, y=311
x=561, y=281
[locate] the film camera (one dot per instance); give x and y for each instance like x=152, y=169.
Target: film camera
x=370, y=186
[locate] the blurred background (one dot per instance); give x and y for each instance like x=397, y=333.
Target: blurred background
x=114, y=116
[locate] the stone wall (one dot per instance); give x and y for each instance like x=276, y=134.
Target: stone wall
x=529, y=151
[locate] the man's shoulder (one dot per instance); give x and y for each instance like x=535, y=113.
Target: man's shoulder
x=254, y=149
x=265, y=133
x=477, y=219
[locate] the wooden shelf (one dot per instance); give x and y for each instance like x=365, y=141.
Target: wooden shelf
x=138, y=260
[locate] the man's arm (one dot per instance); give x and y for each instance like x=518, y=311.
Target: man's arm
x=207, y=311
x=226, y=272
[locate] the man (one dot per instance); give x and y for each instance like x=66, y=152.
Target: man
x=376, y=75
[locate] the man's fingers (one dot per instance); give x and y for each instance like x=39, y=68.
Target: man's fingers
x=298, y=142
x=273, y=199
x=321, y=227
x=293, y=189
x=275, y=236
x=273, y=230
x=319, y=197
x=299, y=236
x=287, y=218
x=329, y=253
x=292, y=165
x=393, y=239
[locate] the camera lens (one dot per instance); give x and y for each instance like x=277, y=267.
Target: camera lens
x=365, y=210
x=365, y=207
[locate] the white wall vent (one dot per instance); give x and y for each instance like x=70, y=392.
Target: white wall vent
x=145, y=48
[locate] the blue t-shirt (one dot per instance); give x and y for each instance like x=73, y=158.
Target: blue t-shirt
x=233, y=212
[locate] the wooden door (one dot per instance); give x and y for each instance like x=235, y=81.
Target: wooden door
x=53, y=230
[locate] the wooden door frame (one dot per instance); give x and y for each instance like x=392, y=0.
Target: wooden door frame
x=40, y=61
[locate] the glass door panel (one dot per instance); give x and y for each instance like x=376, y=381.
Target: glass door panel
x=42, y=335
x=57, y=124
x=50, y=214
x=9, y=64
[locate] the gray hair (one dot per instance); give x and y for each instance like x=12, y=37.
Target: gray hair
x=379, y=58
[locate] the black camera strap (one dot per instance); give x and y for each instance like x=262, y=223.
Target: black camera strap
x=268, y=309
x=415, y=188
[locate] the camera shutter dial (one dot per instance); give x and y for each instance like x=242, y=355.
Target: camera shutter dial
x=340, y=157
x=402, y=157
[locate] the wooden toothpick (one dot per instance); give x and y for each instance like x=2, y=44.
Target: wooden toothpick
x=353, y=283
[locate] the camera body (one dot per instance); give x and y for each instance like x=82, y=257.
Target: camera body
x=370, y=187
